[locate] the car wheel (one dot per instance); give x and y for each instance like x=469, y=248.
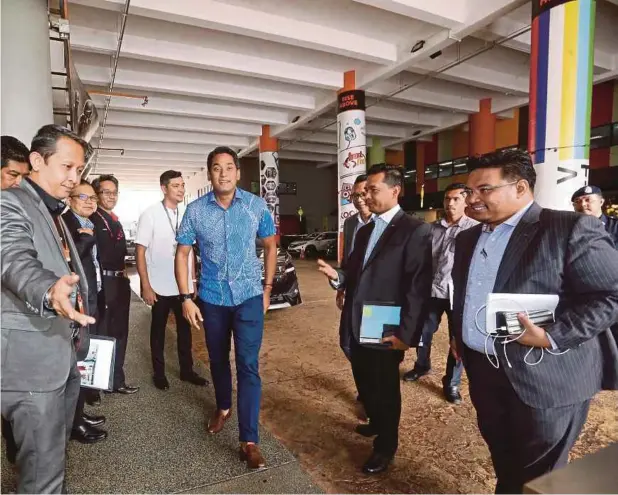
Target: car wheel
x=311, y=252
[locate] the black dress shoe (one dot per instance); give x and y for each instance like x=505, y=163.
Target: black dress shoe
x=377, y=463
x=413, y=375
x=452, y=395
x=366, y=430
x=161, y=382
x=93, y=398
x=92, y=420
x=126, y=390
x=87, y=434
x=193, y=378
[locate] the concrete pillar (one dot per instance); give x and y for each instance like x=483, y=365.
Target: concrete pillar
x=561, y=62
x=26, y=69
x=482, y=130
x=351, y=146
x=269, y=173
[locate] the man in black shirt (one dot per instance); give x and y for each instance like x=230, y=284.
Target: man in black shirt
x=589, y=201
x=112, y=251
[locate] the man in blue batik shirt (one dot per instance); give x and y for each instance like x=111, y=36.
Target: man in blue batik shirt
x=225, y=224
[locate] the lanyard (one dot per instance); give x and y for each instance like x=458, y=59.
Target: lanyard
x=169, y=219
x=109, y=229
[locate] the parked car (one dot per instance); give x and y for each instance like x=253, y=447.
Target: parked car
x=285, y=292
x=330, y=253
x=129, y=259
x=294, y=247
x=312, y=247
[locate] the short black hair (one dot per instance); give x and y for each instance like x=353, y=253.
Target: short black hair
x=455, y=186
x=168, y=175
x=96, y=183
x=13, y=149
x=515, y=164
x=44, y=143
x=360, y=178
x=221, y=150
x=84, y=182
x=393, y=175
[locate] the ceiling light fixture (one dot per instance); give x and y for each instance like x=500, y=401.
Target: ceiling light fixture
x=417, y=46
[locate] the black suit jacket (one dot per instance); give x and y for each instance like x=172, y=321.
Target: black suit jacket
x=564, y=253
x=348, y=233
x=84, y=244
x=398, y=271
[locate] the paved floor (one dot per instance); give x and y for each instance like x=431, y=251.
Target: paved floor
x=157, y=441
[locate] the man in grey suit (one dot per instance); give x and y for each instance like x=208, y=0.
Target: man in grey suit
x=532, y=395
x=43, y=287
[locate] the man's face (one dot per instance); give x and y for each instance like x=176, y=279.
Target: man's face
x=358, y=196
x=224, y=174
x=62, y=170
x=13, y=173
x=83, y=200
x=108, y=195
x=380, y=197
x=591, y=204
x=488, y=203
x=454, y=203
x=175, y=190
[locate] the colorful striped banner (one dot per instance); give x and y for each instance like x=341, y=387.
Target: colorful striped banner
x=561, y=63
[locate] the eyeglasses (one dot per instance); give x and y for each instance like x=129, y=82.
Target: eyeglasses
x=85, y=197
x=358, y=195
x=109, y=194
x=485, y=190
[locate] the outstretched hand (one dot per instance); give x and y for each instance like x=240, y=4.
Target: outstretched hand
x=60, y=300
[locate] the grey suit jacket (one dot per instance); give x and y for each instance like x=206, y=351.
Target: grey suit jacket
x=37, y=345
x=564, y=253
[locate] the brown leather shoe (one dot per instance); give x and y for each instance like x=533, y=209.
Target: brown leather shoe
x=251, y=453
x=217, y=421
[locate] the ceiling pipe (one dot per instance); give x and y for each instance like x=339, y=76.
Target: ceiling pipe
x=108, y=98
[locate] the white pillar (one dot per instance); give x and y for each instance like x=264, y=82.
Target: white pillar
x=269, y=183
x=27, y=101
x=351, y=151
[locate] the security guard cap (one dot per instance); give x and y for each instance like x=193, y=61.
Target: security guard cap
x=584, y=191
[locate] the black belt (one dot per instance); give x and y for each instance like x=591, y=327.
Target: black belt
x=114, y=273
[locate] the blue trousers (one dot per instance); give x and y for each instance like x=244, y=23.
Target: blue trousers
x=246, y=323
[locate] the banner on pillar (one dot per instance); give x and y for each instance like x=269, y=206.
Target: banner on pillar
x=352, y=148
x=561, y=63
x=269, y=183
x=351, y=151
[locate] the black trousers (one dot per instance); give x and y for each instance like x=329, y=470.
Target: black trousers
x=160, y=312
x=376, y=373
x=115, y=321
x=436, y=308
x=524, y=442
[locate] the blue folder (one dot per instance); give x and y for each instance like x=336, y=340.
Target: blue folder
x=378, y=321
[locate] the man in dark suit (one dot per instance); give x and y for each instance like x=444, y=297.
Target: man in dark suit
x=83, y=203
x=390, y=263
x=43, y=291
x=531, y=415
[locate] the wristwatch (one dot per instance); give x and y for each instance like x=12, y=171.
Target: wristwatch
x=185, y=297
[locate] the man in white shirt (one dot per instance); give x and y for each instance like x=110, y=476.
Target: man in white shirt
x=155, y=252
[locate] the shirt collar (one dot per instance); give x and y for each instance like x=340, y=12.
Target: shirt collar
x=459, y=223
x=514, y=220
x=388, y=216
x=239, y=194
x=55, y=206
x=360, y=219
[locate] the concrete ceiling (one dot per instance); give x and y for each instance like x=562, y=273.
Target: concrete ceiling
x=214, y=71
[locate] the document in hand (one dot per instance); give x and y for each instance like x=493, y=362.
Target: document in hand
x=97, y=369
x=378, y=320
x=540, y=308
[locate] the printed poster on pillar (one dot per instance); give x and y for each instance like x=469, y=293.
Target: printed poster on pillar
x=269, y=183
x=352, y=148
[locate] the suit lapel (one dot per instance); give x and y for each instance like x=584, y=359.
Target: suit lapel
x=523, y=234
x=384, y=238
x=467, y=249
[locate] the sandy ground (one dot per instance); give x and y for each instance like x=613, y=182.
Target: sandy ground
x=308, y=404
